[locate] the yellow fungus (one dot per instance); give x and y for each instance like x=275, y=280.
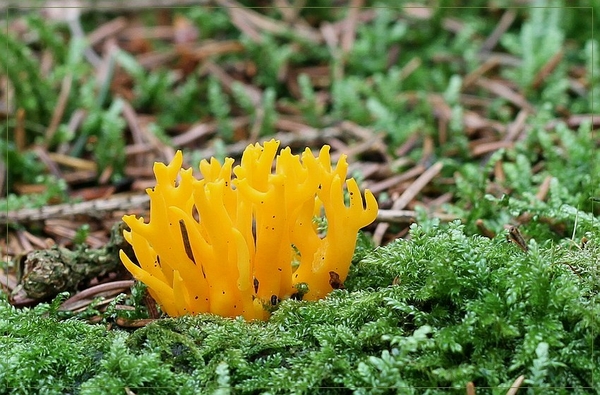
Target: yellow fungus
x=237, y=246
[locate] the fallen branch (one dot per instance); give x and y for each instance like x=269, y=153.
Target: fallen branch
x=91, y=208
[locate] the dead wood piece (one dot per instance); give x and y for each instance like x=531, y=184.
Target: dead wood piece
x=504, y=58
x=125, y=323
x=25, y=244
x=470, y=388
x=80, y=176
x=98, y=5
x=502, y=90
x=69, y=231
x=453, y=25
x=106, y=30
x=440, y=200
x=320, y=77
x=308, y=137
x=373, y=144
x=409, y=194
x=91, y=208
x=516, y=127
x=331, y=38
x=505, y=21
x=49, y=272
x=8, y=281
x=46, y=273
x=515, y=237
x=227, y=81
x=85, y=297
x=138, y=148
x=486, y=66
x=575, y=121
x=151, y=60
x=577, y=86
x=484, y=229
x=516, y=385
x=20, y=130
x=208, y=49
x=3, y=176
x=184, y=30
x=71, y=161
x=144, y=32
x=417, y=11
x=75, y=121
x=136, y=132
x=42, y=153
x=349, y=30
x=418, y=185
x=472, y=101
x=247, y=18
x=204, y=130
x=440, y=107
x=547, y=69
x=499, y=174
x=408, y=145
x=409, y=216
x=290, y=12
x=93, y=193
x=366, y=169
x=473, y=121
x=59, y=110
x=11, y=246
x=486, y=147
x=394, y=180
x=410, y=67
x=544, y=189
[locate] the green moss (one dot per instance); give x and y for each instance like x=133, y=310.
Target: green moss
x=45, y=356
x=142, y=373
x=462, y=308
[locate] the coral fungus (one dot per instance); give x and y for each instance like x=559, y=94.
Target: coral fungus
x=238, y=246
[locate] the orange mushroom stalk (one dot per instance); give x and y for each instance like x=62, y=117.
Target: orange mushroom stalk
x=237, y=246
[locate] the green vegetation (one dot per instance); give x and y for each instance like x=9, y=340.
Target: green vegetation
x=428, y=313
x=374, y=91
x=437, y=311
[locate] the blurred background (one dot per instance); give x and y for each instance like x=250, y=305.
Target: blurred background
x=445, y=108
